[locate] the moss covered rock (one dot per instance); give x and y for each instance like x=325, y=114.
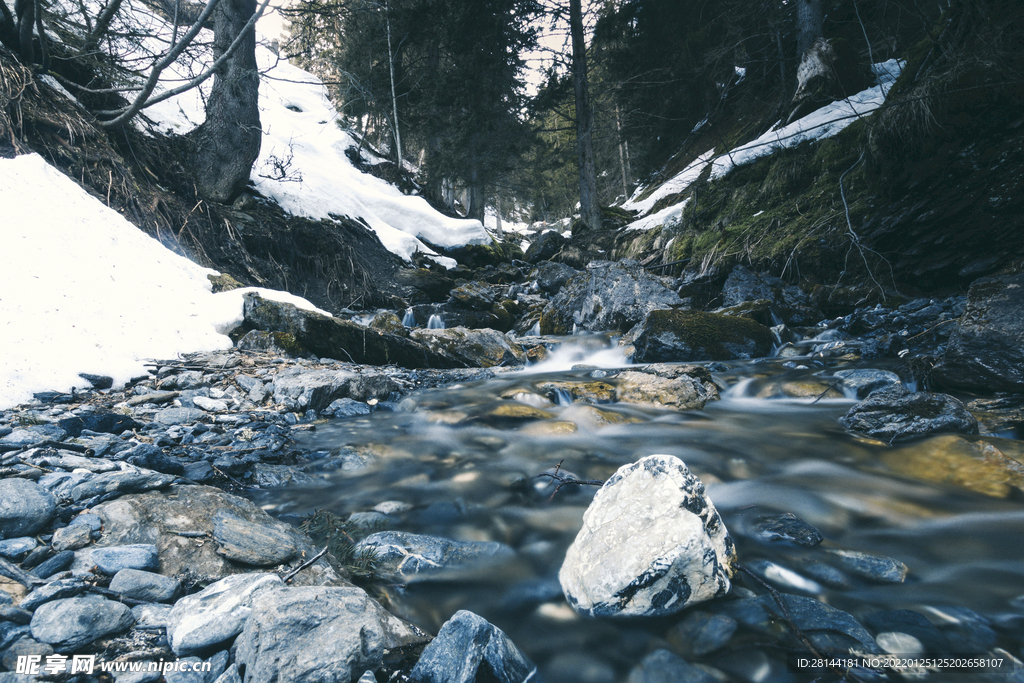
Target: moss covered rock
x=672, y=336
x=476, y=348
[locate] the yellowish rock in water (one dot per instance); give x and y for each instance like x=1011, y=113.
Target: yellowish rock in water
x=800, y=389
x=552, y=428
x=992, y=466
x=591, y=416
x=681, y=393
x=587, y=392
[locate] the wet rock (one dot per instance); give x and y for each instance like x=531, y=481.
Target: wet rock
x=151, y=615
x=322, y=634
x=158, y=518
x=994, y=467
x=474, y=296
x=673, y=336
x=145, y=586
x=301, y=389
x=787, y=528
x=484, y=348
x=109, y=423
x=790, y=302
x=551, y=277
x=23, y=647
x=681, y=393
x=985, y=353
x=217, y=613
x=594, y=391
x=467, y=649
x=278, y=476
x=403, y=556
x=864, y=381
x=701, y=632
x=783, y=577
x=346, y=407
x=25, y=507
x=830, y=629
x=896, y=415
x=607, y=296
x=327, y=337
x=911, y=623
x=388, y=323
x=71, y=623
x=547, y=244
x=130, y=481
x=17, y=548
x=661, y=666
x=55, y=590
x=259, y=545
x=651, y=544
x=967, y=630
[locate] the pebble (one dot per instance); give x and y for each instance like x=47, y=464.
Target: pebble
x=468, y=644
x=17, y=548
x=112, y=559
x=71, y=537
x=787, y=528
x=57, y=563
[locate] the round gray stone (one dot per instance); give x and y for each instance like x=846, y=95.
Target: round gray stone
x=112, y=559
x=146, y=586
x=72, y=623
x=25, y=507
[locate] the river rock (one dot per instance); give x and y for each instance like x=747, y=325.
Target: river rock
x=551, y=276
x=991, y=466
x=327, y=337
x=52, y=565
x=127, y=481
x=701, y=632
x=300, y=388
x=869, y=566
x=475, y=296
x=25, y=507
x=17, y=548
x=217, y=613
x=109, y=423
x=607, y=296
x=467, y=649
x=145, y=586
x=484, y=348
x=789, y=302
x=72, y=623
x=158, y=518
x=897, y=415
x=680, y=393
x=662, y=666
x=260, y=545
x=830, y=629
x=985, y=353
x=402, y=556
x=33, y=434
x=786, y=528
x=862, y=382
x=673, y=336
x=55, y=590
x=651, y=544
x=318, y=634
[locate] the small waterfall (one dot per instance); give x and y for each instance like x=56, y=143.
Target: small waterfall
x=436, y=322
x=535, y=330
x=409, y=320
x=776, y=320
x=561, y=397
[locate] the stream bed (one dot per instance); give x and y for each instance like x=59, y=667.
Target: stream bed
x=462, y=462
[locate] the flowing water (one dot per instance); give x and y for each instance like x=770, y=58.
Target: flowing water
x=467, y=468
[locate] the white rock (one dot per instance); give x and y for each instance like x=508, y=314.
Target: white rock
x=210, y=404
x=216, y=613
x=651, y=544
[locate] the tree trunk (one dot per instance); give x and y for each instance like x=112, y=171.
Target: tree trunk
x=394, y=98
x=475, y=205
x=623, y=155
x=590, y=211
x=228, y=143
x=808, y=25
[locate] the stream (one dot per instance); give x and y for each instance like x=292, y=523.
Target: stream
x=465, y=467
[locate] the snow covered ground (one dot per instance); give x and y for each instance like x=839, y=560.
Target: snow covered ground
x=84, y=290
x=819, y=124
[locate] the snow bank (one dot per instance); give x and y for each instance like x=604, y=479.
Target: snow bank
x=84, y=290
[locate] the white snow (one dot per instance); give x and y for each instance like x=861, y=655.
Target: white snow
x=302, y=163
x=677, y=183
x=84, y=290
x=667, y=217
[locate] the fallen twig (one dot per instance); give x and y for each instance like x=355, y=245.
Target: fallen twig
x=290, y=575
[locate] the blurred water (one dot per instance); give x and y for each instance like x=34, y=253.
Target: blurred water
x=469, y=472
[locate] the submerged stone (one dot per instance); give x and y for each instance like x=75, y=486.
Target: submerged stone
x=897, y=415
x=468, y=649
x=651, y=544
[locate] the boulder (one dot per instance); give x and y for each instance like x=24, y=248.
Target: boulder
x=681, y=392
x=551, y=276
x=673, y=336
x=300, y=389
x=403, y=556
x=25, y=507
x=985, y=353
x=328, y=337
x=217, y=613
x=545, y=246
x=607, y=296
x=468, y=649
x=307, y=634
x=474, y=296
x=651, y=544
x=203, y=554
x=897, y=415
x=484, y=348
x=788, y=302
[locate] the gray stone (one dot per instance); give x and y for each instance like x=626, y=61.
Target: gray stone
x=151, y=615
x=17, y=548
x=260, y=545
x=607, y=296
x=24, y=646
x=128, y=481
x=868, y=566
x=468, y=648
x=146, y=586
x=317, y=634
x=71, y=537
x=787, y=528
x=545, y=246
x=57, y=563
x=112, y=559
x=402, y=556
x=94, y=523
x=367, y=677
x=667, y=336
x=679, y=393
x=346, y=407
x=485, y=348
x=72, y=623
x=212, y=405
x=651, y=544
x=701, y=632
x=217, y=613
x=230, y=675
x=25, y=507
x=69, y=461
x=474, y=296
x=157, y=518
x=177, y=416
x=278, y=476
x=830, y=629
x=894, y=415
x=302, y=389
x=861, y=382
x=17, y=615
x=55, y=590
x=61, y=484
x=188, y=675
x=551, y=276
x=985, y=353
x=28, y=436
x=10, y=632
x=661, y=666
x=150, y=457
